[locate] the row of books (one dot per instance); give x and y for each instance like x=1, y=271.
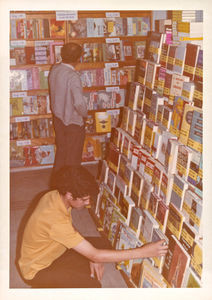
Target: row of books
x=186, y=15
x=23, y=104
x=109, y=27
x=183, y=120
x=31, y=129
x=117, y=210
x=25, y=156
x=105, y=99
x=33, y=78
x=35, y=28
x=107, y=76
x=182, y=59
x=42, y=52
x=121, y=50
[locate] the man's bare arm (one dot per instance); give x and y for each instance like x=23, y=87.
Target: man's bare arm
x=103, y=255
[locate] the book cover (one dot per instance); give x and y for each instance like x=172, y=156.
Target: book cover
x=156, y=147
x=188, y=91
x=157, y=177
x=135, y=220
x=150, y=74
x=164, y=55
x=103, y=176
x=192, y=280
x=45, y=154
x=188, y=237
x=177, y=116
x=171, y=57
x=176, y=263
x=191, y=57
x=137, y=185
x=113, y=158
x=171, y=156
x=145, y=194
x=30, y=105
x=140, y=127
x=132, y=122
x=111, y=180
x=174, y=222
x=156, y=100
x=176, y=86
x=147, y=101
x=184, y=157
x=153, y=204
x=133, y=95
x=57, y=28
x=150, y=278
x=142, y=157
x=178, y=191
x=198, y=76
x=155, y=45
x=162, y=215
x=17, y=158
x=125, y=118
x=150, y=130
x=196, y=263
x=141, y=71
x=149, y=168
x=198, y=94
x=180, y=55
x=126, y=204
x=186, y=123
x=166, y=135
x=167, y=116
x=139, y=49
x=103, y=122
x=116, y=218
x=161, y=80
x=140, y=101
x=196, y=130
x=195, y=171
x=16, y=106
x=147, y=225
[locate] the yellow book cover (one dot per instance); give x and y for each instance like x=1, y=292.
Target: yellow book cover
x=103, y=122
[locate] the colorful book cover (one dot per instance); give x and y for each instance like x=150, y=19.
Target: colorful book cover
x=164, y=55
x=199, y=67
x=157, y=177
x=150, y=74
x=135, y=220
x=16, y=106
x=147, y=225
x=195, y=171
x=153, y=204
x=196, y=263
x=150, y=278
x=137, y=185
x=171, y=57
x=155, y=45
x=174, y=222
x=116, y=218
x=188, y=237
x=156, y=100
x=171, y=156
x=157, y=236
x=140, y=101
x=145, y=194
x=147, y=101
x=184, y=157
x=57, y=29
x=198, y=94
x=141, y=71
x=167, y=116
x=180, y=55
x=103, y=122
x=140, y=127
x=150, y=130
x=192, y=51
x=176, y=263
x=177, y=116
x=186, y=123
x=178, y=191
x=162, y=215
x=166, y=135
x=196, y=131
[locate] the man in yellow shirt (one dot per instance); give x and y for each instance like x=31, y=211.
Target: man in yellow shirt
x=47, y=259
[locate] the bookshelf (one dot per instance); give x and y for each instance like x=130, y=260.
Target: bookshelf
x=36, y=38
x=154, y=161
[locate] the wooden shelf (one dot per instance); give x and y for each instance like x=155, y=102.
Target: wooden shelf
x=36, y=142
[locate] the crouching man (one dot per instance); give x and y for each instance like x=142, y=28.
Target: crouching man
x=53, y=253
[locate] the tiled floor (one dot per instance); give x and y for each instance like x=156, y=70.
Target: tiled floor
x=25, y=190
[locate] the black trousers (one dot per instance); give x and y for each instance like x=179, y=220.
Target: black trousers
x=69, y=144
x=70, y=270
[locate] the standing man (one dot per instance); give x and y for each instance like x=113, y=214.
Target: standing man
x=68, y=107
x=53, y=253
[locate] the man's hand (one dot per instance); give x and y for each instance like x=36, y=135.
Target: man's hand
x=158, y=248
x=97, y=268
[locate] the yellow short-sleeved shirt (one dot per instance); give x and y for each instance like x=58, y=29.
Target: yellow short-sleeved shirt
x=48, y=233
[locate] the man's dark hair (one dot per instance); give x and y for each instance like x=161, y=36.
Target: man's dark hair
x=77, y=180
x=71, y=52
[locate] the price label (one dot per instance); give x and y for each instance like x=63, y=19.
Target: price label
x=111, y=65
x=22, y=119
x=18, y=44
x=112, y=14
x=112, y=40
x=67, y=15
x=23, y=143
x=17, y=16
x=43, y=43
x=19, y=94
x=112, y=89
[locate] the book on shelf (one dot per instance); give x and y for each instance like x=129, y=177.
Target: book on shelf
x=142, y=158
x=194, y=169
x=147, y=101
x=135, y=220
x=156, y=147
x=157, y=177
x=174, y=222
x=109, y=207
x=139, y=49
x=186, y=123
x=198, y=94
x=111, y=180
x=188, y=237
x=151, y=74
x=140, y=127
x=103, y=122
x=177, y=116
x=171, y=156
x=127, y=142
x=116, y=218
x=141, y=71
x=153, y=204
x=16, y=106
x=133, y=95
x=177, y=86
x=17, y=158
x=176, y=263
x=180, y=55
x=171, y=57
x=125, y=203
x=196, y=263
x=166, y=135
x=157, y=236
x=192, y=209
x=192, y=51
x=156, y=40
x=160, y=80
x=112, y=52
x=137, y=185
x=135, y=156
x=162, y=215
x=125, y=118
x=149, y=168
x=178, y=191
x=103, y=175
x=184, y=158
x=167, y=84
x=128, y=51
x=57, y=28
x=164, y=55
x=198, y=76
x=167, y=116
x=140, y=101
x=145, y=194
x=150, y=130
x=150, y=277
x=132, y=122
x=196, y=131
x=188, y=91
x=113, y=158
x=147, y=226
x=156, y=100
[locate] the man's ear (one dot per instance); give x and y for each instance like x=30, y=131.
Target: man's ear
x=68, y=196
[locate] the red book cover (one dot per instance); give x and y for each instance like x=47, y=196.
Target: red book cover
x=57, y=29
x=192, y=51
x=30, y=55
